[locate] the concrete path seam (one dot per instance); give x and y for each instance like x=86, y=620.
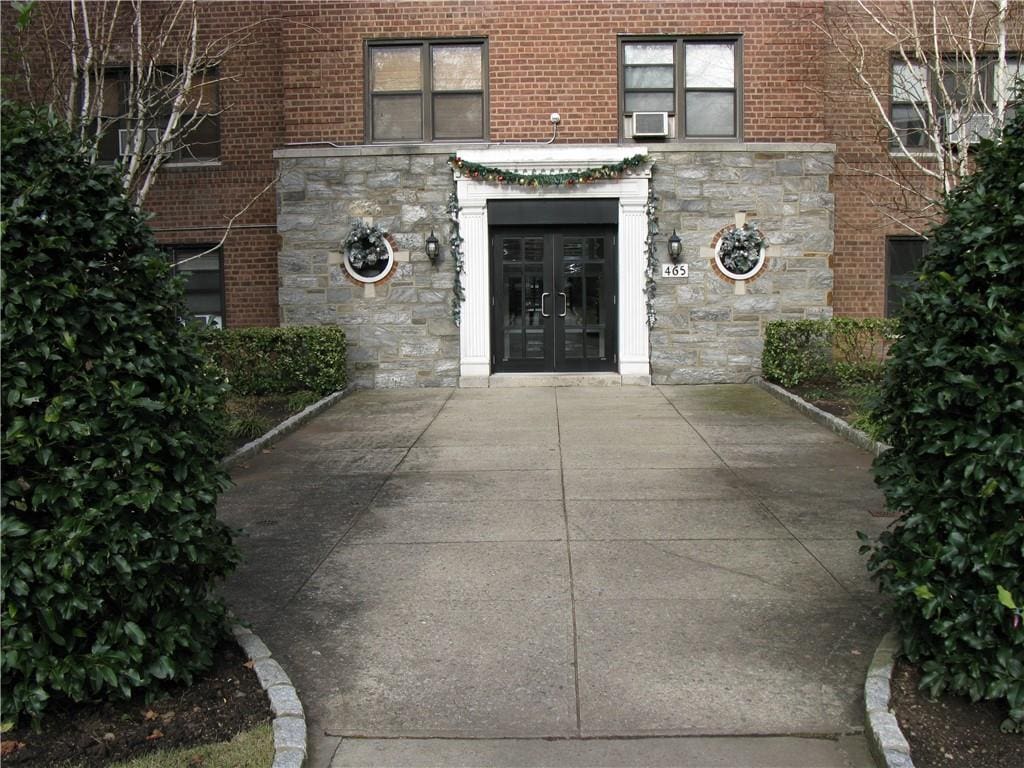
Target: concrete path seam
x=286, y=427
x=887, y=741
x=837, y=425
x=289, y=718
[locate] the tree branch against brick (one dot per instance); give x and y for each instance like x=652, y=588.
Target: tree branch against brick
x=69, y=52
x=948, y=67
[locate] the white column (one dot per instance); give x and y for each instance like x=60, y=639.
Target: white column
x=474, y=332
x=634, y=356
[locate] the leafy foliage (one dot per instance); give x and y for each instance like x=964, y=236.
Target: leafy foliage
x=740, y=248
x=807, y=351
x=280, y=361
x=366, y=245
x=953, y=410
x=110, y=542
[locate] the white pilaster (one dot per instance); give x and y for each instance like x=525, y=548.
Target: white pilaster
x=474, y=332
x=634, y=354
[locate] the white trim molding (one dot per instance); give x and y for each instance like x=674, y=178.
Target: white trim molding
x=631, y=192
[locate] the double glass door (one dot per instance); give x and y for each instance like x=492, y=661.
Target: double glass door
x=553, y=299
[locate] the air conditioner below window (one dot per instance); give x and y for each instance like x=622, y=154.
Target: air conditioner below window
x=650, y=124
x=124, y=140
x=957, y=128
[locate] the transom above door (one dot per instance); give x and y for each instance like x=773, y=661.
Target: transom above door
x=553, y=298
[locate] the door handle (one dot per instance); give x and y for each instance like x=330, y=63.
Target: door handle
x=565, y=305
x=542, y=297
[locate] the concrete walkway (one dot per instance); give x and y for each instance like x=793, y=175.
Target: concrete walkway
x=565, y=576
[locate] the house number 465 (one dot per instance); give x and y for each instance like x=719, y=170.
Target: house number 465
x=675, y=270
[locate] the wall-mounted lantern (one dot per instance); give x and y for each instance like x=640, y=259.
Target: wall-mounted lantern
x=675, y=246
x=433, y=248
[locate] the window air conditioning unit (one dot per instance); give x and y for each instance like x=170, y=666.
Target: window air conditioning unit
x=972, y=127
x=650, y=124
x=124, y=140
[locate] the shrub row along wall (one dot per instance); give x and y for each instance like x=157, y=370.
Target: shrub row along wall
x=400, y=332
x=276, y=361
x=803, y=351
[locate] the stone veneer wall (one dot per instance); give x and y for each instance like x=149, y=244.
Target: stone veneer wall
x=707, y=331
x=400, y=331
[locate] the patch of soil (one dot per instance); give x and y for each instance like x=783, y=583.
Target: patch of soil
x=952, y=731
x=221, y=703
x=830, y=399
x=271, y=409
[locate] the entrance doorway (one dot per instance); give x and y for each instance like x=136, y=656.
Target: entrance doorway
x=553, y=298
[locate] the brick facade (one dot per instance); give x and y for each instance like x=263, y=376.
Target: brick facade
x=298, y=81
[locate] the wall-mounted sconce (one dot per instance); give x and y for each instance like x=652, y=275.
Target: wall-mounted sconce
x=433, y=248
x=675, y=246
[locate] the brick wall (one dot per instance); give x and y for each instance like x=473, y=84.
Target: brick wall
x=549, y=57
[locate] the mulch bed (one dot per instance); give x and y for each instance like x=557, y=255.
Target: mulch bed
x=830, y=399
x=222, y=703
x=952, y=731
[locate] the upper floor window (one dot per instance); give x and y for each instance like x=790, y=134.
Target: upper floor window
x=958, y=93
x=903, y=257
x=126, y=123
x=427, y=91
x=203, y=271
x=695, y=82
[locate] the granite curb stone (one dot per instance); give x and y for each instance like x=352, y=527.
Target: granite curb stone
x=289, y=719
x=837, y=425
x=286, y=427
x=887, y=741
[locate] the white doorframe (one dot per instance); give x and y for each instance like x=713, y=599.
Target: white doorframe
x=631, y=192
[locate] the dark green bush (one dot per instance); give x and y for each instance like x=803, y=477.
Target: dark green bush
x=953, y=410
x=280, y=361
x=110, y=543
x=841, y=349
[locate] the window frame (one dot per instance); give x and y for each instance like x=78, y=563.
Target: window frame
x=932, y=103
x=178, y=155
x=680, y=89
x=174, y=251
x=426, y=92
x=889, y=309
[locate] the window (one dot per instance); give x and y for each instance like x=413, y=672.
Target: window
x=426, y=91
x=200, y=119
x=902, y=261
x=694, y=80
x=959, y=94
x=204, y=281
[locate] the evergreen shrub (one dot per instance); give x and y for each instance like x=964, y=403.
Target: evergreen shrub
x=280, y=361
x=110, y=543
x=952, y=408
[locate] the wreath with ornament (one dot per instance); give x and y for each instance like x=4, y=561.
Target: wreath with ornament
x=366, y=248
x=739, y=249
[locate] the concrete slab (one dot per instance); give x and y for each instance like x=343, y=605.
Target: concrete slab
x=460, y=521
x=470, y=669
x=736, y=752
x=442, y=458
x=746, y=570
x=843, y=560
x=786, y=454
x=726, y=665
x=692, y=455
x=643, y=484
x=786, y=432
x=477, y=485
x=819, y=517
x=391, y=574
x=666, y=519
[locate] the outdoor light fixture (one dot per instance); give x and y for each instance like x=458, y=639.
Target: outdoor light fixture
x=675, y=246
x=433, y=248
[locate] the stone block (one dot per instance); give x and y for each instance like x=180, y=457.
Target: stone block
x=289, y=758
x=269, y=673
x=290, y=733
x=284, y=701
x=385, y=179
x=254, y=648
x=789, y=167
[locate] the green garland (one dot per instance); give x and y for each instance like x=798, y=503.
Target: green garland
x=455, y=243
x=585, y=176
x=653, y=265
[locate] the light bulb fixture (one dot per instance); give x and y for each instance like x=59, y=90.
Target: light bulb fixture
x=433, y=248
x=675, y=246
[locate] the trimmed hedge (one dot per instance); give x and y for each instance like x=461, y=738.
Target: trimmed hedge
x=952, y=408
x=842, y=349
x=111, y=547
x=280, y=361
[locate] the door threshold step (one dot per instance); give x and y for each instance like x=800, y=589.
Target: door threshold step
x=560, y=380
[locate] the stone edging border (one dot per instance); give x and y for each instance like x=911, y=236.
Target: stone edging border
x=289, y=718
x=286, y=427
x=824, y=418
x=887, y=742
